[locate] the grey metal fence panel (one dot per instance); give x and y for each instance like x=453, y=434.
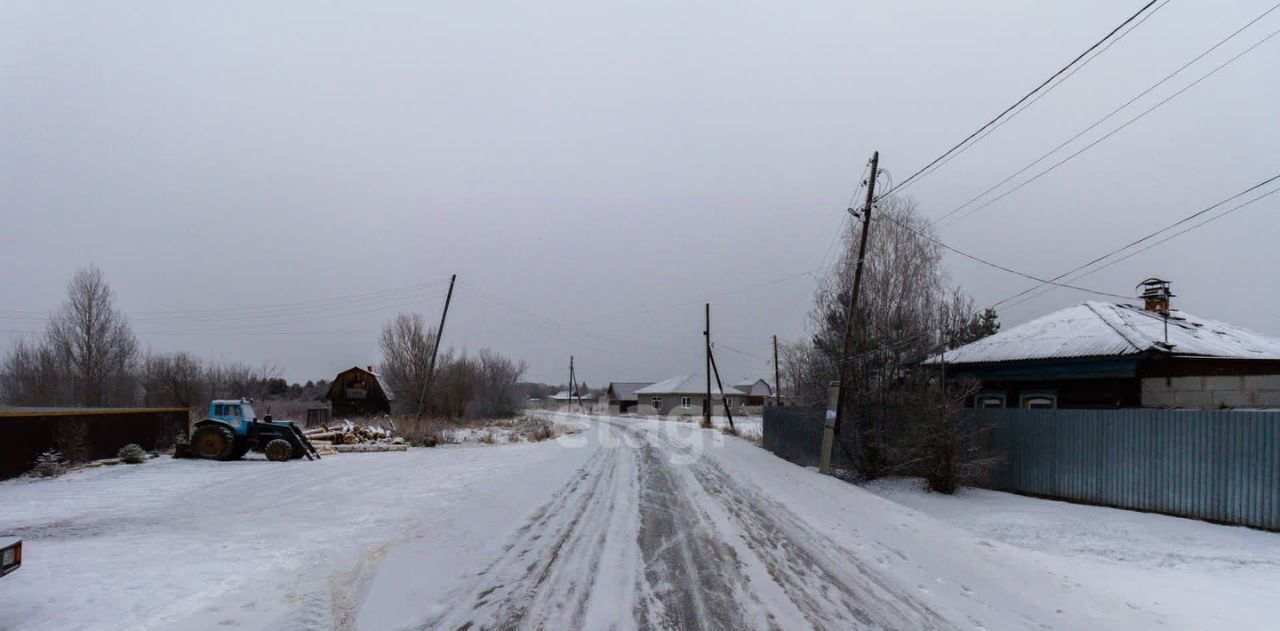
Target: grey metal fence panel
x=795, y=434
x=1218, y=465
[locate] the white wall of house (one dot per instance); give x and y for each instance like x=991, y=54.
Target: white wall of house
x=674, y=405
x=1211, y=392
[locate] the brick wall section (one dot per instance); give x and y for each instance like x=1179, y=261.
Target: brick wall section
x=1212, y=392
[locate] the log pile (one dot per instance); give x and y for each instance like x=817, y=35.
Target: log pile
x=352, y=437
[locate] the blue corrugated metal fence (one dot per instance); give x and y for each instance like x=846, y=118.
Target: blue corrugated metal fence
x=1216, y=465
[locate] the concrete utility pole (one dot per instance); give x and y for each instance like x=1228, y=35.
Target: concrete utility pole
x=706, y=334
x=835, y=417
x=431, y=367
x=777, y=379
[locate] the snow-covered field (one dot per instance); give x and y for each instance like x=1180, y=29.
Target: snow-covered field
x=630, y=523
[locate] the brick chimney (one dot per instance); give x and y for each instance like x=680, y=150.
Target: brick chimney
x=1155, y=294
x=370, y=368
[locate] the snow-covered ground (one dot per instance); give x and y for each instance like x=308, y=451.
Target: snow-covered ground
x=183, y=544
x=1219, y=567
x=629, y=524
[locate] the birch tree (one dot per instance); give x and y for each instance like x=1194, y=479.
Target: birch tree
x=93, y=341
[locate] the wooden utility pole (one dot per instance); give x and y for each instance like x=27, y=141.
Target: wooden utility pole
x=777, y=379
x=706, y=334
x=431, y=367
x=835, y=421
x=573, y=385
x=723, y=399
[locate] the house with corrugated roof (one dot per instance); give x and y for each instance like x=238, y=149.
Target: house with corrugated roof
x=684, y=395
x=758, y=392
x=564, y=400
x=622, y=396
x=1107, y=355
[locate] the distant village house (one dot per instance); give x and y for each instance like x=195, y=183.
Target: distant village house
x=359, y=392
x=622, y=396
x=684, y=396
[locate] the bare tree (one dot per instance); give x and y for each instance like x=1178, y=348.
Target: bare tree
x=907, y=312
x=173, y=379
x=32, y=375
x=496, y=394
x=94, y=341
x=406, y=345
x=236, y=379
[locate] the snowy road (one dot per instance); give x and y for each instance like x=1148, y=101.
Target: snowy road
x=630, y=524
x=702, y=542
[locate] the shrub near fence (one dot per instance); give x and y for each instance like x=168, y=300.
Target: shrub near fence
x=1216, y=465
x=83, y=434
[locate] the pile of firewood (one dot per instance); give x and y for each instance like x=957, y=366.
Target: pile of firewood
x=349, y=437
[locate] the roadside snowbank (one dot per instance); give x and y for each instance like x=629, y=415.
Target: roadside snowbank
x=1229, y=573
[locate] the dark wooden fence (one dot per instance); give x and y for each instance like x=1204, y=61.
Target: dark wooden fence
x=83, y=434
x=1216, y=465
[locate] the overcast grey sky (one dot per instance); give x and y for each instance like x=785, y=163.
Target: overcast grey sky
x=583, y=166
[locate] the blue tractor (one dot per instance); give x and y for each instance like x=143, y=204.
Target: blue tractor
x=233, y=428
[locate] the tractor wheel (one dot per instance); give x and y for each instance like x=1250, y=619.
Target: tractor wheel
x=279, y=450
x=213, y=442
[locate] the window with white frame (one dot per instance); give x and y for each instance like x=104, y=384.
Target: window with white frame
x=657, y=403
x=1039, y=401
x=686, y=402
x=989, y=400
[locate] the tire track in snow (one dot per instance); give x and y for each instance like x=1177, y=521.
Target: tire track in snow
x=542, y=578
x=831, y=586
x=694, y=580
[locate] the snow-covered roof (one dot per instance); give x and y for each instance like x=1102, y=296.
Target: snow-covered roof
x=382, y=384
x=759, y=387
x=685, y=384
x=626, y=390
x=1095, y=329
x=564, y=395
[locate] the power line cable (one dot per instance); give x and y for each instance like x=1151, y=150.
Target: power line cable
x=1054, y=281
x=1028, y=95
x=1107, y=117
x=998, y=266
x=1115, y=131
x=1046, y=92
x=1152, y=245
x=1148, y=237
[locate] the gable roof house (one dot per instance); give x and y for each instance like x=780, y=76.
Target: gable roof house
x=1105, y=355
x=564, y=399
x=622, y=396
x=758, y=392
x=683, y=395
x=359, y=392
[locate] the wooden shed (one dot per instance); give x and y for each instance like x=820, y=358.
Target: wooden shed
x=359, y=391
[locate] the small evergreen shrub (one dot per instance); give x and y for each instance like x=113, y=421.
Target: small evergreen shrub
x=132, y=454
x=50, y=464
